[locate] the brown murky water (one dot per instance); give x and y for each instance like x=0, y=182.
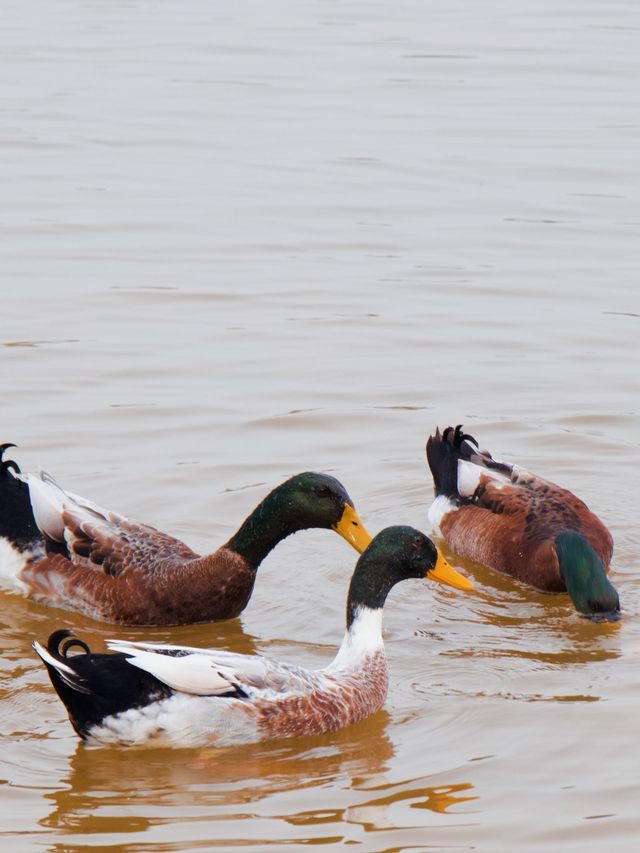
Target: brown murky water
x=243, y=240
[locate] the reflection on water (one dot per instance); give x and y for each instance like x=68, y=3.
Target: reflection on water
x=212, y=785
x=381, y=813
x=242, y=244
x=176, y=791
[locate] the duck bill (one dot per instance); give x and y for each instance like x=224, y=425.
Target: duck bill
x=444, y=573
x=352, y=529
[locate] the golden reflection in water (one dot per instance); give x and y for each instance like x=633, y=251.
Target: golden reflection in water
x=377, y=814
x=101, y=781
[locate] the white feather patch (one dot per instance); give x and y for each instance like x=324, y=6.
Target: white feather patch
x=438, y=509
x=194, y=673
x=246, y=670
x=47, y=502
x=12, y=561
x=181, y=720
x=363, y=639
x=468, y=477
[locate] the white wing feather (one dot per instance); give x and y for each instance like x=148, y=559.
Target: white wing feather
x=196, y=674
x=49, y=500
x=209, y=671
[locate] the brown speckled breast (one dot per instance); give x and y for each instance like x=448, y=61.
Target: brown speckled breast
x=328, y=707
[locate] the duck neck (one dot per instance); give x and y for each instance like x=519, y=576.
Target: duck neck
x=362, y=639
x=268, y=524
x=370, y=585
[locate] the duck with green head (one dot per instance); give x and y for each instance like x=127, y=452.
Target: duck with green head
x=151, y=694
x=514, y=521
x=64, y=551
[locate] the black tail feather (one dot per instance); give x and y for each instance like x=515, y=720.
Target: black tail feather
x=443, y=452
x=7, y=464
x=101, y=685
x=17, y=523
x=55, y=639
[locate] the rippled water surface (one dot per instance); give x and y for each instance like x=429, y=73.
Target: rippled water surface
x=240, y=240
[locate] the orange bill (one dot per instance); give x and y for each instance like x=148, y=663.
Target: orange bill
x=352, y=529
x=444, y=573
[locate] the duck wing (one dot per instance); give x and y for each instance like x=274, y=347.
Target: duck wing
x=110, y=568
x=211, y=672
x=95, y=538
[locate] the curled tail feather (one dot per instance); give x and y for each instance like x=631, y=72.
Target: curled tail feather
x=443, y=452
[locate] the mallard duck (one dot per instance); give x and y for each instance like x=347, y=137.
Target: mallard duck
x=516, y=522
x=183, y=696
x=67, y=552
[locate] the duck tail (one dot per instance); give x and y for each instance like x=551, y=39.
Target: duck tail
x=17, y=523
x=443, y=452
x=63, y=669
x=93, y=686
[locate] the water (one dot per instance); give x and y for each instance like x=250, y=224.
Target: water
x=240, y=241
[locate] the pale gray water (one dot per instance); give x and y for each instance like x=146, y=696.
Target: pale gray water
x=242, y=240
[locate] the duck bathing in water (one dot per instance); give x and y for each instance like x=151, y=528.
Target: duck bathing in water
x=514, y=521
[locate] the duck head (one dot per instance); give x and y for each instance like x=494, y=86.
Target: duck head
x=583, y=573
x=303, y=501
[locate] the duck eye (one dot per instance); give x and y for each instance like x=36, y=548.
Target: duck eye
x=417, y=541
x=323, y=491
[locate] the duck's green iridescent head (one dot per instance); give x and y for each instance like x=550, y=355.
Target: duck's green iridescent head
x=397, y=554
x=303, y=501
x=585, y=577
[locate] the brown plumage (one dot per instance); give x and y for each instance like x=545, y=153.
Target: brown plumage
x=149, y=587
x=327, y=706
x=510, y=519
x=116, y=570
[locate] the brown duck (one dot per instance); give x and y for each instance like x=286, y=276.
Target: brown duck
x=518, y=523
x=64, y=551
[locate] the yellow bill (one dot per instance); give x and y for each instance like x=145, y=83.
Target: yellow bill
x=444, y=573
x=352, y=529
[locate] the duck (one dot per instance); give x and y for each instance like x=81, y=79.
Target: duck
x=65, y=551
x=143, y=693
x=518, y=523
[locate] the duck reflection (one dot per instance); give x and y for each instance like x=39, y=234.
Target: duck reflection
x=129, y=790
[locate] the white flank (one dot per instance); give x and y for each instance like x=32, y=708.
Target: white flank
x=12, y=561
x=180, y=721
x=439, y=508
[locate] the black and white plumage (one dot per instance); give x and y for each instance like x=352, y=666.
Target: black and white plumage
x=145, y=693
